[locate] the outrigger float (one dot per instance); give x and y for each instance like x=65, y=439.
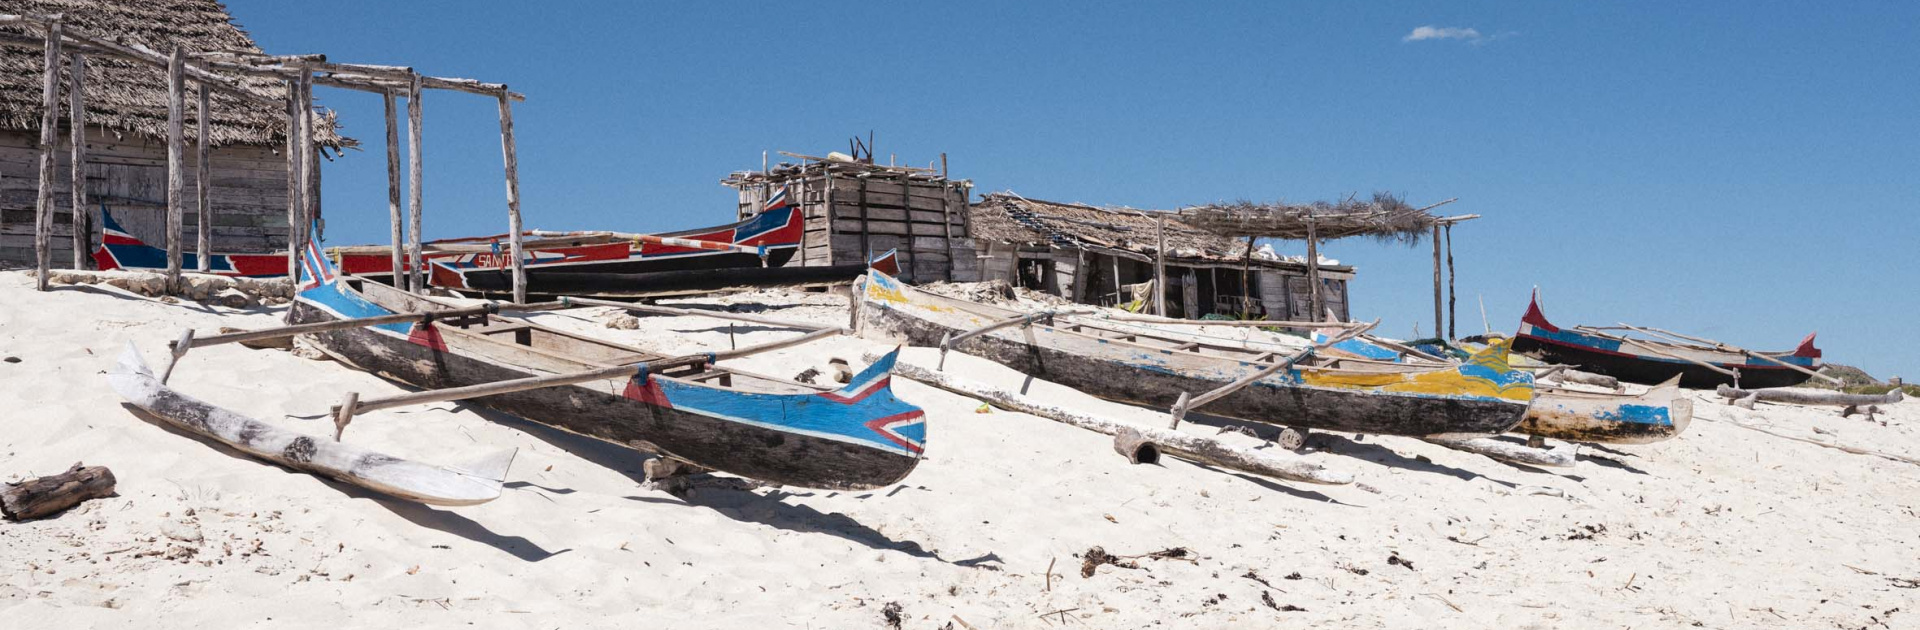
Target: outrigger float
x=1297, y=390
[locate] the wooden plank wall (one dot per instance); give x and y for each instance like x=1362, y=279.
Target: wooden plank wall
x=129, y=174
x=847, y=217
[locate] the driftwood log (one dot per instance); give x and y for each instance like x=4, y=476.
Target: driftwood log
x=35, y=498
x=1561, y=457
x=1744, y=398
x=1585, y=378
x=1140, y=444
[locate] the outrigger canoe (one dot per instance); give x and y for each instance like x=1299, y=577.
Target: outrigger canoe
x=767, y=239
x=776, y=430
x=1651, y=362
x=1481, y=397
x=1563, y=413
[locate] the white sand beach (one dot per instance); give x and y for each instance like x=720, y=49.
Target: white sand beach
x=1723, y=527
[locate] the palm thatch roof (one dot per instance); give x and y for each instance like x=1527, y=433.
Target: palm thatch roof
x=131, y=98
x=1384, y=217
x=1006, y=217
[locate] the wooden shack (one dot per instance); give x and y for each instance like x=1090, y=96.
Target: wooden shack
x=125, y=139
x=855, y=208
x=1107, y=256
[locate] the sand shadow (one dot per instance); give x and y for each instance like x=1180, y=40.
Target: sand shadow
x=1612, y=463
x=1339, y=444
x=1271, y=484
x=416, y=513
x=743, y=329
x=768, y=509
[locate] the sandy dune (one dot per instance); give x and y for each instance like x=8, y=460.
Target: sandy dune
x=1722, y=528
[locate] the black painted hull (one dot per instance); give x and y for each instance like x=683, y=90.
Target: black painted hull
x=663, y=283
x=1650, y=372
x=597, y=409
x=1311, y=407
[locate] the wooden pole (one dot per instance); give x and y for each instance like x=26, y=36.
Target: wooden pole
x=176, y=165
x=1313, y=271
x=1130, y=436
x=1439, y=327
x=400, y=276
x=1453, y=311
x=1246, y=281
x=49, y=136
x=513, y=199
x=203, y=183
x=309, y=161
x=688, y=312
x=77, y=136
x=1160, y=265
x=415, y=197
x=344, y=414
x=293, y=180
x=1186, y=404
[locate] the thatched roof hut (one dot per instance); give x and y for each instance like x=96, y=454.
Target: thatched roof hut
x=1009, y=218
x=129, y=98
x=1109, y=255
x=1384, y=217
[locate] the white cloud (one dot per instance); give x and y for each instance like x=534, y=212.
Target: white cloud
x=1442, y=32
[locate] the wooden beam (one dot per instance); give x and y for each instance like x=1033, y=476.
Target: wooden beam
x=1160, y=265
x=176, y=165
x=1439, y=322
x=1313, y=271
x=310, y=162
x=49, y=135
x=514, y=235
x=343, y=414
x=415, y=195
x=294, y=168
x=1186, y=404
x=401, y=279
x=203, y=183
x=1453, y=311
x=77, y=181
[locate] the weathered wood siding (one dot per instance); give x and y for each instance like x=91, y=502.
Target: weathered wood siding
x=849, y=216
x=129, y=174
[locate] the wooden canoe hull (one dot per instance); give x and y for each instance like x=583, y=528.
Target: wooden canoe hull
x=857, y=437
x=1427, y=401
x=1541, y=339
x=1659, y=414
x=413, y=481
x=553, y=282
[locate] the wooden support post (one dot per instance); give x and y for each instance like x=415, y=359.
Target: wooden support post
x=1453, y=312
x=1313, y=272
x=49, y=136
x=946, y=217
x=866, y=248
x=415, y=197
x=176, y=164
x=1439, y=323
x=400, y=277
x=294, y=168
x=513, y=199
x=1246, y=281
x=309, y=162
x=1160, y=265
x=203, y=183
x=77, y=136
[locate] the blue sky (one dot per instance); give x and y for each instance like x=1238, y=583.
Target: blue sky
x=1746, y=171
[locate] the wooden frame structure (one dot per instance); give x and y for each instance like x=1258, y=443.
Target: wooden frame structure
x=855, y=208
x=215, y=71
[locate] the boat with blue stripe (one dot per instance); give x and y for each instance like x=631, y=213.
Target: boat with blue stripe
x=859, y=436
